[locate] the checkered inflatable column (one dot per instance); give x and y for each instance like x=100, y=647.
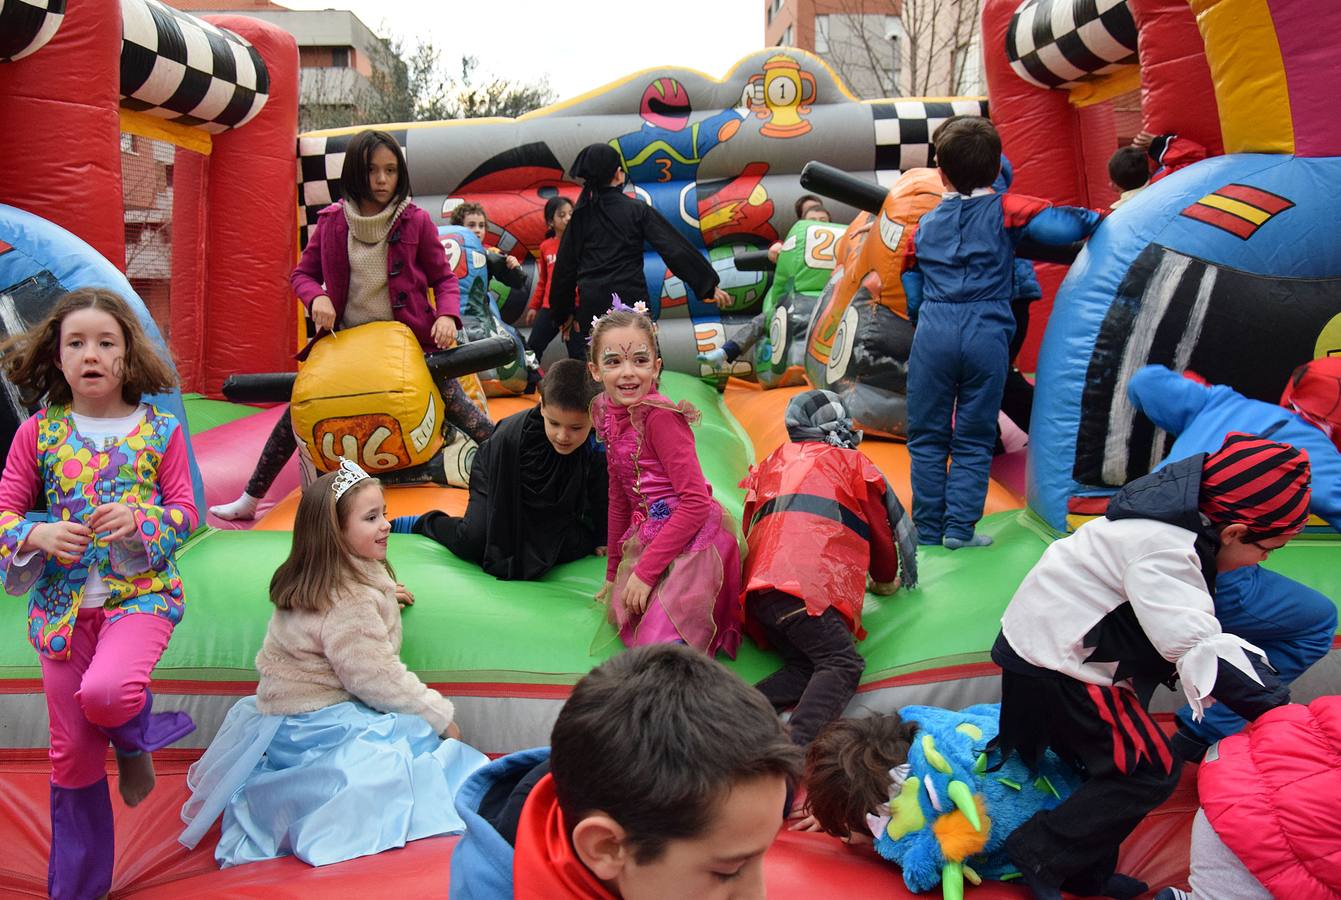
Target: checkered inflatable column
x=903, y=130
x=1058, y=43
x=61, y=153
x=183, y=69
x=27, y=25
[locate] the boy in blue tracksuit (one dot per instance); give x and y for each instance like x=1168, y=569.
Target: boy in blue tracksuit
x=1292, y=623
x=959, y=279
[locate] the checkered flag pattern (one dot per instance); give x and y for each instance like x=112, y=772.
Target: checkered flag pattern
x=903, y=130
x=1057, y=43
x=183, y=69
x=320, y=160
x=26, y=26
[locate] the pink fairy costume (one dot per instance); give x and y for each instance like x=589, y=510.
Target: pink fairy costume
x=99, y=623
x=666, y=527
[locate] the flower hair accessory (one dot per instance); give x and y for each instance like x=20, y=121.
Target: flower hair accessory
x=349, y=474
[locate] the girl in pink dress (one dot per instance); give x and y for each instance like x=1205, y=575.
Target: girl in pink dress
x=674, y=567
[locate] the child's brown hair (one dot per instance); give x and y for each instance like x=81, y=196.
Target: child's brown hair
x=31, y=360
x=320, y=561
x=461, y=210
x=847, y=769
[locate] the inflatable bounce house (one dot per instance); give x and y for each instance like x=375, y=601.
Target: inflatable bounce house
x=719, y=158
x=1240, y=244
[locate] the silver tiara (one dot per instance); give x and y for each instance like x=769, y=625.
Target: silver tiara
x=348, y=475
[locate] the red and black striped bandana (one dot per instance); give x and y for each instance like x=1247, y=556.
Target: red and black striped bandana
x=1255, y=482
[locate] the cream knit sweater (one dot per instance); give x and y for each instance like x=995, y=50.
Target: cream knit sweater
x=369, y=298
x=311, y=660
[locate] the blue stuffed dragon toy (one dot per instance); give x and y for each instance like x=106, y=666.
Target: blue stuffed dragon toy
x=948, y=816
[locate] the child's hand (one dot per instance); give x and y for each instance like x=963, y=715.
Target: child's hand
x=635, y=595
x=1143, y=140
x=529, y=319
x=807, y=823
x=774, y=251
x=444, y=332
x=566, y=328
x=323, y=313
x=115, y=519
x=66, y=541
x=603, y=595
x=512, y=262
x=403, y=596
x=882, y=588
x=453, y=731
x=602, y=551
x=719, y=296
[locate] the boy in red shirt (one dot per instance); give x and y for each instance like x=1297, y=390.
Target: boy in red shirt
x=818, y=516
x=668, y=777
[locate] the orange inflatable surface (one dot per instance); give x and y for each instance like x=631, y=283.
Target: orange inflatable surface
x=407, y=499
x=760, y=412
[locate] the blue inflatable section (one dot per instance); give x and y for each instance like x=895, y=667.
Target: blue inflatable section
x=39, y=262
x=1230, y=268
x=480, y=315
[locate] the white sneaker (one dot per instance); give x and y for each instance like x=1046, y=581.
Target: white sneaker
x=241, y=509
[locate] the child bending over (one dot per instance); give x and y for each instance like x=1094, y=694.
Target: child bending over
x=667, y=777
x=1112, y=611
x=819, y=516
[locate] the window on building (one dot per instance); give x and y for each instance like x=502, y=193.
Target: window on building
x=822, y=34
x=895, y=34
x=777, y=6
x=127, y=143
x=339, y=57
x=786, y=39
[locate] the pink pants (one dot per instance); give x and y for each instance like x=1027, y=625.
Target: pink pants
x=100, y=685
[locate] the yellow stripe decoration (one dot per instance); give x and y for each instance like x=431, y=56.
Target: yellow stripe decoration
x=1236, y=208
x=1248, y=73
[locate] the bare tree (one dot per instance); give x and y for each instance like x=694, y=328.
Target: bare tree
x=930, y=51
x=411, y=85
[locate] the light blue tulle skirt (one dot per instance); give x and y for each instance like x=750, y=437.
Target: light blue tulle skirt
x=324, y=786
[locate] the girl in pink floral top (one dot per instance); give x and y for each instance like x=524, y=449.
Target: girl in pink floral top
x=103, y=591
x=674, y=567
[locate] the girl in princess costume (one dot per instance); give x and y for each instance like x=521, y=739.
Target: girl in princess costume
x=673, y=572
x=343, y=752
x=103, y=592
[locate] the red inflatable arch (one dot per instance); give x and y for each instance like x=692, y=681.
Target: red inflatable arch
x=63, y=108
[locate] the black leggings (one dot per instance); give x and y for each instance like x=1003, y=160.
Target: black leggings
x=546, y=328
x=282, y=442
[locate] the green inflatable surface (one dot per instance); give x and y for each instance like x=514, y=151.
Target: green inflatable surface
x=467, y=627
x=202, y=414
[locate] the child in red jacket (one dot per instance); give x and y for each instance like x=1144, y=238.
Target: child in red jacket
x=818, y=516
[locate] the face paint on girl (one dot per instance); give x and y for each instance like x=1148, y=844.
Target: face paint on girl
x=627, y=366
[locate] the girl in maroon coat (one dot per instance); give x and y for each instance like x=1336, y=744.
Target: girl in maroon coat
x=371, y=258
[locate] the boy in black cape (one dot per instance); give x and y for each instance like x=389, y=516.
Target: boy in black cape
x=537, y=487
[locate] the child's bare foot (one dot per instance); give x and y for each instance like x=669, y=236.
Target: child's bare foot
x=135, y=777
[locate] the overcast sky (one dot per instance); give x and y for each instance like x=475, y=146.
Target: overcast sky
x=575, y=45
